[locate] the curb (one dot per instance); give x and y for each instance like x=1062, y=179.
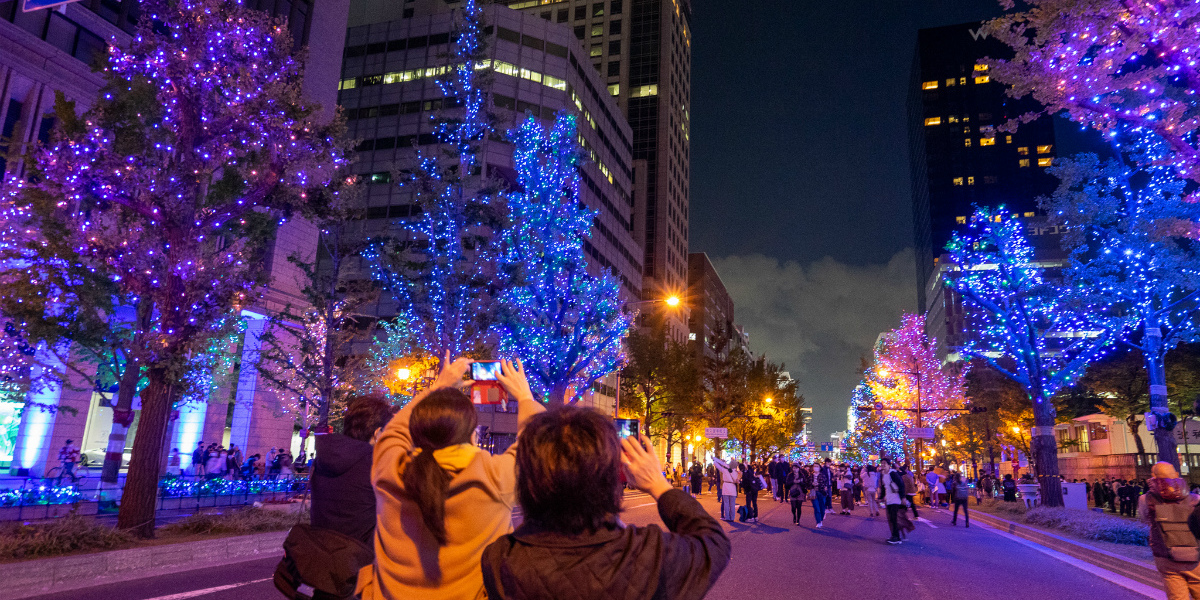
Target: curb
x=1137, y=571
x=48, y=575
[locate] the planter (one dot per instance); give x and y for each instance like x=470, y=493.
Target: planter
x=1030, y=493
x=35, y=512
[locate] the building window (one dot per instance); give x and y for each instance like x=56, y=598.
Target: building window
x=580, y=12
x=962, y=81
x=967, y=142
x=970, y=181
x=1024, y=162
x=1045, y=149
x=1045, y=162
x=989, y=179
x=967, y=129
x=958, y=181
x=597, y=50
x=1023, y=150
x=1028, y=215
x=979, y=68
x=982, y=79
x=614, y=89
x=614, y=47
x=929, y=121
x=614, y=69
x=598, y=9
x=614, y=7
x=643, y=91
x=929, y=85
x=960, y=220
x=952, y=119
x=1008, y=139
x=987, y=141
x=614, y=28
x=950, y=82
x=598, y=30
x=562, y=15
x=579, y=31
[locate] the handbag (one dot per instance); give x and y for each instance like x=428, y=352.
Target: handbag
x=320, y=563
x=904, y=522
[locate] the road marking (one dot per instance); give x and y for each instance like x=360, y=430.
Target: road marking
x=640, y=505
x=1121, y=580
x=926, y=521
x=212, y=590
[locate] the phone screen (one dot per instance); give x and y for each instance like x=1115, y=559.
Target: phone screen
x=626, y=427
x=485, y=371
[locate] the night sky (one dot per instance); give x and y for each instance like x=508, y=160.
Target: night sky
x=800, y=180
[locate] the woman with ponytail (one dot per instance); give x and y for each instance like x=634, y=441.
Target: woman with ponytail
x=440, y=500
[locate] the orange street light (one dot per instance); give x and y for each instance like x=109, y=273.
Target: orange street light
x=403, y=373
x=672, y=301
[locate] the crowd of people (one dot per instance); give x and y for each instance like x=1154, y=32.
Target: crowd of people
x=215, y=461
x=431, y=513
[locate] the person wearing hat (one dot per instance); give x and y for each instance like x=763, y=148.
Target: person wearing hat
x=68, y=456
x=1167, y=508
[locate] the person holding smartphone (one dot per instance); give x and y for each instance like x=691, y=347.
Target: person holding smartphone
x=440, y=500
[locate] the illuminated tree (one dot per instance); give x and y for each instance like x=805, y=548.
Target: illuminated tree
x=1129, y=258
x=873, y=432
x=907, y=374
x=442, y=272
x=1023, y=325
x=659, y=379
x=173, y=185
x=1111, y=65
x=565, y=323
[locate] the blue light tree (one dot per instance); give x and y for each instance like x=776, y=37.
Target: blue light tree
x=441, y=272
x=1024, y=326
x=565, y=323
x=1126, y=230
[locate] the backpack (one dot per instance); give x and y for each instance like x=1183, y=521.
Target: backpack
x=320, y=563
x=796, y=492
x=743, y=513
x=1171, y=520
x=1009, y=485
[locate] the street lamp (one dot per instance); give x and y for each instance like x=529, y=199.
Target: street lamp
x=671, y=301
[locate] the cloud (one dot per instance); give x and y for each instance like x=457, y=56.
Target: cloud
x=819, y=319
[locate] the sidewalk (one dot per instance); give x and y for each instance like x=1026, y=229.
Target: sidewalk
x=30, y=578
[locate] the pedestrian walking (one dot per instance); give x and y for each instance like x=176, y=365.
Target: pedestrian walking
x=960, y=493
x=173, y=462
x=870, y=483
x=199, y=458
x=711, y=472
x=440, y=499
x=797, y=491
x=823, y=498
x=1167, y=508
x=572, y=544
x=910, y=488
x=845, y=490
x=697, y=475
x=728, y=489
x=893, y=494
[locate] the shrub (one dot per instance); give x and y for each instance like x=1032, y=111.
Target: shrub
x=243, y=521
x=68, y=534
x=1091, y=525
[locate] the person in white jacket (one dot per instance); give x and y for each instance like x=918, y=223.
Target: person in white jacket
x=891, y=489
x=870, y=482
x=729, y=487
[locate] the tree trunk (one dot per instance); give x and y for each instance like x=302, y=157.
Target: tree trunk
x=123, y=408
x=1134, y=427
x=1156, y=372
x=557, y=395
x=1045, y=451
x=141, y=484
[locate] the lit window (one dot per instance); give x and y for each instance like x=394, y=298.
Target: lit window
x=958, y=181
x=597, y=30
x=644, y=90
x=1008, y=139
x=962, y=81
x=987, y=141
x=979, y=68
x=1045, y=149
x=950, y=82
x=967, y=129
x=982, y=79
x=933, y=121
x=967, y=142
x=970, y=181
x=966, y=119
x=691, y=337
x=952, y=119
x=1045, y=162
x=1024, y=162
x=1028, y=214
x=597, y=50
x=614, y=89
x=929, y=85
x=960, y=220
x=1023, y=150
x=997, y=218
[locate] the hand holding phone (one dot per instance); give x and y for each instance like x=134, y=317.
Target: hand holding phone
x=485, y=370
x=626, y=428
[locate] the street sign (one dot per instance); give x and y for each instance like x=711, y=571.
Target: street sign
x=919, y=433
x=872, y=457
x=721, y=433
x=826, y=447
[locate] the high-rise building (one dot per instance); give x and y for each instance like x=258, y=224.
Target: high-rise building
x=959, y=156
x=643, y=51
x=710, y=322
x=50, y=50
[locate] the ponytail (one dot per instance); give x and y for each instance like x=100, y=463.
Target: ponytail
x=444, y=418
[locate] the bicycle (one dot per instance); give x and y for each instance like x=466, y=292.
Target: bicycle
x=56, y=474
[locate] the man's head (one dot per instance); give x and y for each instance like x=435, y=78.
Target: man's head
x=1164, y=470
x=69, y=442
x=828, y=461
x=365, y=415
x=568, y=470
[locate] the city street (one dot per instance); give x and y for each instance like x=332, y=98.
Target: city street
x=848, y=557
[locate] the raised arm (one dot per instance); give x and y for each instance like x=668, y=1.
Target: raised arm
x=395, y=440
x=512, y=378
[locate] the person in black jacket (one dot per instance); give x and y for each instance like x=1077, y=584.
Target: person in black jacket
x=572, y=544
x=342, y=497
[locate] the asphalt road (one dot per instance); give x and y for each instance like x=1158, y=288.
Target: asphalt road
x=847, y=558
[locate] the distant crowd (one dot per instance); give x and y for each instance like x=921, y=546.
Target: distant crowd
x=215, y=461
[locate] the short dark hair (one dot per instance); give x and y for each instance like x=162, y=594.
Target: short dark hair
x=568, y=470
x=365, y=414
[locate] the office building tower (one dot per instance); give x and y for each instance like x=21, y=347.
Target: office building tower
x=390, y=94
x=643, y=51
x=959, y=156
x=711, y=327
x=48, y=50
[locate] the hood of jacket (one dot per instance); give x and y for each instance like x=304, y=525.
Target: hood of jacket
x=1170, y=490
x=337, y=454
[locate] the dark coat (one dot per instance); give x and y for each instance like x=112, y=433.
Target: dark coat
x=342, y=497
x=630, y=563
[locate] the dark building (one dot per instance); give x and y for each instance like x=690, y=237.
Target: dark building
x=643, y=51
x=710, y=322
x=959, y=157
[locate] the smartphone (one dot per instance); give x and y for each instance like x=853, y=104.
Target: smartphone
x=626, y=427
x=485, y=370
